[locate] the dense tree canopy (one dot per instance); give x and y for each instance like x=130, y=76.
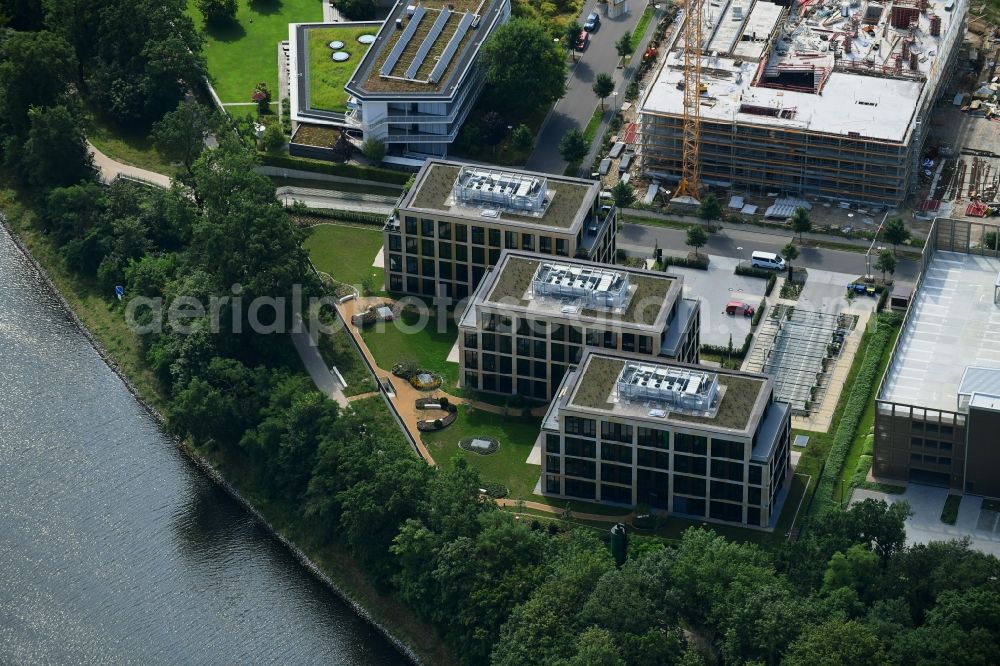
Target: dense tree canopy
x=525, y=69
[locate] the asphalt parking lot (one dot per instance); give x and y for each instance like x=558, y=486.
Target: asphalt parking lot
x=716, y=287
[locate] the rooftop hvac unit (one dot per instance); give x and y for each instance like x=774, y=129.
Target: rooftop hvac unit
x=503, y=189
x=678, y=388
x=597, y=288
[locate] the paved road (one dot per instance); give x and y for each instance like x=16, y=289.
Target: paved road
x=322, y=376
x=577, y=106
x=639, y=239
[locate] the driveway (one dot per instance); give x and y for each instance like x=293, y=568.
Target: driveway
x=577, y=106
x=638, y=239
x=713, y=289
x=925, y=524
x=826, y=291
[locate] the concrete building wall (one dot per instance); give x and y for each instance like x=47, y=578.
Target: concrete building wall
x=982, y=468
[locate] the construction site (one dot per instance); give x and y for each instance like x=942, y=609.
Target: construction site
x=828, y=100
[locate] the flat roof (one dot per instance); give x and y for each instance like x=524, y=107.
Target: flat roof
x=448, y=34
x=570, y=200
x=508, y=285
x=859, y=91
x=594, y=389
x=953, y=324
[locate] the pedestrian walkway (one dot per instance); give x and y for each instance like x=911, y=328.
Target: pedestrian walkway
x=308, y=351
x=548, y=508
x=111, y=170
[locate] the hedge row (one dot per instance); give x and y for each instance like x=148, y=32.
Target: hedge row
x=854, y=409
x=353, y=216
x=684, y=262
x=336, y=169
x=720, y=350
x=763, y=274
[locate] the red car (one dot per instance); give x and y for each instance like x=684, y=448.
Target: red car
x=582, y=40
x=739, y=307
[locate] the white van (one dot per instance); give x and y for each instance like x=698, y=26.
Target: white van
x=767, y=260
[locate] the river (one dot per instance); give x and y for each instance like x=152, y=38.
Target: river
x=114, y=547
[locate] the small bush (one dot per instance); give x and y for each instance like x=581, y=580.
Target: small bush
x=496, y=490
x=701, y=263
x=949, y=514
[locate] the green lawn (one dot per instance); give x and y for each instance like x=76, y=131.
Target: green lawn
x=245, y=52
x=507, y=466
x=346, y=253
x=640, y=29
x=128, y=146
x=326, y=77
x=390, y=344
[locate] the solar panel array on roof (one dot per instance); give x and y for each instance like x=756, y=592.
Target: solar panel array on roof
x=449, y=51
x=403, y=41
x=425, y=46
x=681, y=388
x=594, y=287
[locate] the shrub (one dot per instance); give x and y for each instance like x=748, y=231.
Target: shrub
x=331, y=168
x=750, y=271
x=701, y=262
x=466, y=445
x=737, y=352
x=374, y=150
x=496, y=490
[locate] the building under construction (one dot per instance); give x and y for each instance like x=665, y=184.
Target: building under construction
x=829, y=99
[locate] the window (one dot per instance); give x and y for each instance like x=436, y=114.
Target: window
x=558, y=332
x=489, y=341
x=616, y=494
x=691, y=507
x=561, y=247
x=558, y=353
x=689, y=485
x=616, y=453
x=727, y=491
x=726, y=511
x=470, y=341
x=471, y=359
x=755, y=474
x=538, y=348
x=427, y=268
x=411, y=225
x=610, y=340
x=427, y=228
x=653, y=487
x=577, y=467
x=722, y=469
x=494, y=257
x=478, y=236
x=628, y=342
x=645, y=344
x=653, y=437
x=616, y=432
x=690, y=443
x=552, y=464
x=494, y=238
x=505, y=363
x=395, y=283
x=488, y=321
x=478, y=257
x=616, y=473
x=528, y=242
x=489, y=363
x=444, y=270
x=581, y=489
x=411, y=245
x=444, y=250
x=395, y=262
x=395, y=242
x=461, y=253
x=411, y=264
x=552, y=443
x=689, y=464
x=574, y=425
x=575, y=335
x=460, y=233
x=504, y=343
x=510, y=240
x=412, y=284
x=594, y=337
x=444, y=230
x=724, y=448
x=647, y=458
x=552, y=484
x=545, y=244
x=427, y=248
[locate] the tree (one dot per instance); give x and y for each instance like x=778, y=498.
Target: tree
x=522, y=138
x=886, y=263
x=856, y=569
x=710, y=208
x=790, y=253
x=836, y=642
x=896, y=233
x=696, y=237
x=55, y=154
x=36, y=70
x=623, y=193
x=357, y=10
x=624, y=44
x=181, y=133
x=374, y=150
x=603, y=86
x=573, y=146
x=571, y=35
x=801, y=222
x=262, y=97
x=217, y=12
x=493, y=128
x=273, y=139
x=525, y=69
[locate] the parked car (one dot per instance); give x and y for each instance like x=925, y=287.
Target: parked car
x=582, y=40
x=593, y=21
x=767, y=260
x=739, y=307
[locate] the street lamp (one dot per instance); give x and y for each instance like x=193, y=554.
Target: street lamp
x=740, y=250
x=614, y=102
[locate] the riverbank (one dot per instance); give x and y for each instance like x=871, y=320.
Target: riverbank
x=104, y=327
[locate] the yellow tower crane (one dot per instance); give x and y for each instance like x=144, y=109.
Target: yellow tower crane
x=691, y=165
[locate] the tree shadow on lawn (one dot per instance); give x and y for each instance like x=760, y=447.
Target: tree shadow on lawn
x=266, y=7
x=229, y=31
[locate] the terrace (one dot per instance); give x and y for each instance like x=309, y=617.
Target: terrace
x=327, y=78
x=568, y=199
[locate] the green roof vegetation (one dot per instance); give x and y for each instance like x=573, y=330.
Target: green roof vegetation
x=435, y=187
x=648, y=298
x=326, y=77
x=376, y=83
x=597, y=384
